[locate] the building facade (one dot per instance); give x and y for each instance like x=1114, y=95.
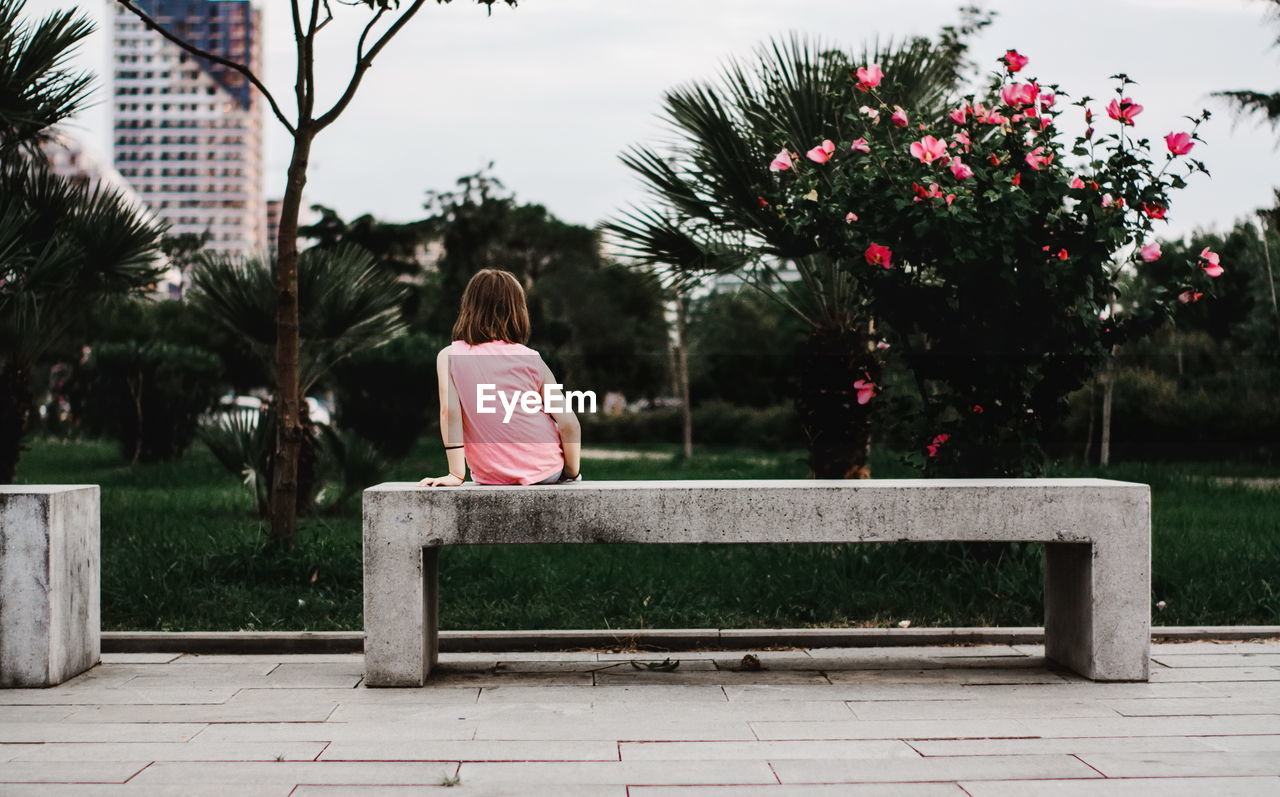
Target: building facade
x=186, y=132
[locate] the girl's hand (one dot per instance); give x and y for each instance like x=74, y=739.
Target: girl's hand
x=441, y=481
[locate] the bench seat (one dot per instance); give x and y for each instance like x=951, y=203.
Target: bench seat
x=1096, y=532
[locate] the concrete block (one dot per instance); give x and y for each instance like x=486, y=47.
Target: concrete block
x=50, y=563
x=1097, y=537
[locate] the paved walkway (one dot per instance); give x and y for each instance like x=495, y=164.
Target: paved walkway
x=984, y=721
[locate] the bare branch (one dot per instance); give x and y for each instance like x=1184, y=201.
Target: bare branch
x=217, y=59
x=365, y=33
x=365, y=61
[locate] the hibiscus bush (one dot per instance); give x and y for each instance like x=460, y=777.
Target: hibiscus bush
x=995, y=250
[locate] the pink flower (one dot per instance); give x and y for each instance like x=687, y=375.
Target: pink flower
x=821, y=153
x=850, y=217
x=937, y=443
x=869, y=77
x=1063, y=254
x=1150, y=253
x=928, y=149
x=960, y=115
x=899, y=117
x=878, y=255
x=1048, y=99
x=870, y=113
x=1017, y=179
x=1189, y=297
x=1015, y=60
x=860, y=145
x=962, y=138
x=866, y=389
x=1076, y=182
x=1037, y=159
x=960, y=169
x=1213, y=263
x=882, y=346
x=1179, y=143
x=1154, y=211
x=1020, y=94
x=1045, y=122
x=1108, y=200
x=1124, y=110
x=781, y=162
x=977, y=409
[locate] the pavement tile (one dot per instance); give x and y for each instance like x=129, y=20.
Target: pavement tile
x=1153, y=726
x=88, y=732
x=169, y=751
x=132, y=790
x=811, y=790
x=1182, y=706
x=1136, y=765
x=949, y=674
x=978, y=709
x=462, y=790
x=619, y=772
x=1242, y=744
x=1224, y=659
x=48, y=713
x=225, y=712
x=428, y=695
x=293, y=772
x=139, y=658
x=711, y=677
x=1179, y=648
x=67, y=772
x=1069, y=746
x=932, y=769
x=334, y=732
x=638, y=693
x=426, y=750
x=640, y=729
x=480, y=679
x=892, y=729
x=919, y=651
x=1212, y=674
x=764, y=751
x=160, y=694
x=1138, y=787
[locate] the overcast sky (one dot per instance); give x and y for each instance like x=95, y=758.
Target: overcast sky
x=552, y=91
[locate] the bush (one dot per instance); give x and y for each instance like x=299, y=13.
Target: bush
x=387, y=395
x=148, y=396
x=714, y=423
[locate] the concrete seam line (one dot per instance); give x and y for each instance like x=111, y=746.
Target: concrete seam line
x=674, y=639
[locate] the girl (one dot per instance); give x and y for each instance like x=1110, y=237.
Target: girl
x=481, y=376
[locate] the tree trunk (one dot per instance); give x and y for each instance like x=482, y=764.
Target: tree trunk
x=686, y=409
x=837, y=427
x=15, y=410
x=289, y=431
x=1108, y=385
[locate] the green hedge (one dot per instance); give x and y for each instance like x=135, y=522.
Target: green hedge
x=714, y=423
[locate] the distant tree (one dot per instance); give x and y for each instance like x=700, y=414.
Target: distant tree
x=309, y=19
x=64, y=247
x=395, y=247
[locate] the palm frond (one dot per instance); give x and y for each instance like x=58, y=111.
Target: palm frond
x=39, y=90
x=1254, y=104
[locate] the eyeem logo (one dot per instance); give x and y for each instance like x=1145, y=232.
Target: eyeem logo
x=552, y=399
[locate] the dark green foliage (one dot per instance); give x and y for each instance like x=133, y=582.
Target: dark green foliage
x=715, y=423
x=1214, y=553
x=388, y=395
x=742, y=348
x=148, y=396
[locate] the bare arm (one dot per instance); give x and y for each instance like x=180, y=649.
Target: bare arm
x=450, y=428
x=570, y=431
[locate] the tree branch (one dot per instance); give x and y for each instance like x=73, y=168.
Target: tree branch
x=217, y=59
x=363, y=62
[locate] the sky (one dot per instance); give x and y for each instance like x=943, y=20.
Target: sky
x=552, y=91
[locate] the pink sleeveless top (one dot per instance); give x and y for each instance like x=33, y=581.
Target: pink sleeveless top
x=502, y=446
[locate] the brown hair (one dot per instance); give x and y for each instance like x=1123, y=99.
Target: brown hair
x=493, y=308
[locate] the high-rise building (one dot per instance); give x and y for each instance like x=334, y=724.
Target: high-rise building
x=187, y=133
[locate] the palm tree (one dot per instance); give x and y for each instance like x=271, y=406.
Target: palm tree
x=63, y=246
x=712, y=214
x=1262, y=105
x=347, y=303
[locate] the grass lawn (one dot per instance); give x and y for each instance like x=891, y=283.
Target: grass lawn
x=183, y=551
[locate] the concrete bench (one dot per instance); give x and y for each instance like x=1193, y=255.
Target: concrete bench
x=50, y=629
x=1097, y=536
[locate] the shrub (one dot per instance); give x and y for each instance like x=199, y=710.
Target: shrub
x=714, y=423
x=387, y=395
x=149, y=396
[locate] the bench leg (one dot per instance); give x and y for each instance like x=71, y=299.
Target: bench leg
x=1097, y=616
x=401, y=615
